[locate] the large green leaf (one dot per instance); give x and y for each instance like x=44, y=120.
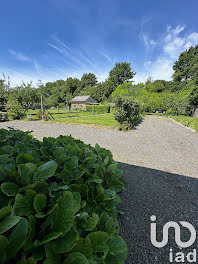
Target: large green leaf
x=92, y=222
x=17, y=238
x=49, y=237
x=98, y=238
x=99, y=244
x=4, y=159
x=8, y=223
x=76, y=258
x=23, y=205
x=45, y=171
x=62, y=220
x=3, y=246
x=5, y=211
x=51, y=256
x=26, y=171
x=116, y=245
x=31, y=233
x=65, y=243
x=83, y=245
x=117, y=250
x=24, y=158
x=40, y=201
x=9, y=188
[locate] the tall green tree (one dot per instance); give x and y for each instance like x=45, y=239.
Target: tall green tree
x=88, y=79
x=121, y=73
x=186, y=67
x=71, y=84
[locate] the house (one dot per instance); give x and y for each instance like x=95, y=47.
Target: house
x=81, y=102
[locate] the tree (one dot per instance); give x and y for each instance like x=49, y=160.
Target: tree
x=121, y=73
x=4, y=88
x=122, y=90
x=14, y=108
x=88, y=79
x=194, y=97
x=186, y=67
x=71, y=84
x=127, y=112
x=97, y=92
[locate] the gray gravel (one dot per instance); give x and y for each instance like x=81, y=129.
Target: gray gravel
x=156, y=157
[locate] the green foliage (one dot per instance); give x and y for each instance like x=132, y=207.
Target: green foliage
x=194, y=97
x=58, y=201
x=88, y=79
x=171, y=97
x=14, y=108
x=188, y=121
x=122, y=90
x=99, y=109
x=3, y=116
x=121, y=73
x=186, y=67
x=4, y=87
x=127, y=112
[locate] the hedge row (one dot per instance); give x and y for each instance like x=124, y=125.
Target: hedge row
x=58, y=202
x=100, y=109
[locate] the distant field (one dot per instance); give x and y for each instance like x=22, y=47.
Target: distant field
x=187, y=121
x=98, y=120
x=52, y=111
x=62, y=113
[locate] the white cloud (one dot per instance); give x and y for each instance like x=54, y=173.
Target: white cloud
x=18, y=55
x=174, y=44
x=171, y=46
x=147, y=41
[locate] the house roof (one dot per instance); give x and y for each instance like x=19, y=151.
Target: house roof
x=84, y=99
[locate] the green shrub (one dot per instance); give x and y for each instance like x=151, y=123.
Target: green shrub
x=58, y=201
x=99, y=109
x=3, y=116
x=127, y=112
x=14, y=108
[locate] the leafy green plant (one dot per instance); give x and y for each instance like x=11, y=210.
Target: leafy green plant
x=58, y=202
x=14, y=108
x=3, y=116
x=127, y=112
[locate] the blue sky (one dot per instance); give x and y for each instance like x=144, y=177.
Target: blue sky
x=55, y=39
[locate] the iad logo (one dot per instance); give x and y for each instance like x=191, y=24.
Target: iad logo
x=179, y=256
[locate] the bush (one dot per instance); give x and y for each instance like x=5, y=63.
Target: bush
x=15, y=110
x=127, y=112
x=58, y=201
x=3, y=116
x=99, y=109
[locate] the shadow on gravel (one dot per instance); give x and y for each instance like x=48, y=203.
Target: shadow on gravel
x=169, y=197
x=137, y=123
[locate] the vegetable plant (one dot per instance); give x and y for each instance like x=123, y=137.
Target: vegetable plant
x=58, y=201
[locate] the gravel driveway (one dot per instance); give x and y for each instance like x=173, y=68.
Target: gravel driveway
x=157, y=157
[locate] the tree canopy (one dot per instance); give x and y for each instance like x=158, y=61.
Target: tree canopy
x=186, y=67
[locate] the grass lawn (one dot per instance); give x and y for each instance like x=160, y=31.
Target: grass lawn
x=98, y=120
x=187, y=121
x=62, y=113
x=52, y=111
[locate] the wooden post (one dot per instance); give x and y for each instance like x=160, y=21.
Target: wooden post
x=42, y=109
x=93, y=110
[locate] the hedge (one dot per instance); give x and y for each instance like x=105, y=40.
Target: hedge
x=58, y=202
x=100, y=109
